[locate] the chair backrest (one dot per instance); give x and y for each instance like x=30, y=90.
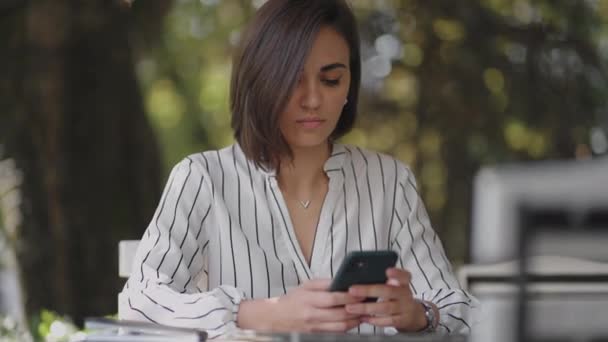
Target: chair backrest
x=126, y=253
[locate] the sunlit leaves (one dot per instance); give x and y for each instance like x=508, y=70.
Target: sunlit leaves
x=449, y=30
x=401, y=87
x=412, y=55
x=494, y=80
x=522, y=138
x=164, y=105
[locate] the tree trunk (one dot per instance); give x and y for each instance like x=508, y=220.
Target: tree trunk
x=77, y=130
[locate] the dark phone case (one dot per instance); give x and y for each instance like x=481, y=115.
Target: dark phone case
x=363, y=268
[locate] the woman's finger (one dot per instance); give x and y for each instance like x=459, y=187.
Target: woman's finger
x=402, y=276
x=342, y=326
x=334, y=315
x=332, y=299
x=317, y=284
x=384, y=308
x=383, y=321
x=379, y=291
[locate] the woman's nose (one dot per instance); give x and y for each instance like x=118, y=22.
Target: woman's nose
x=311, y=97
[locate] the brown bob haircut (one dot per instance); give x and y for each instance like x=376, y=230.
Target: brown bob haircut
x=266, y=66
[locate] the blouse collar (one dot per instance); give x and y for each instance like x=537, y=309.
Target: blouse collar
x=335, y=162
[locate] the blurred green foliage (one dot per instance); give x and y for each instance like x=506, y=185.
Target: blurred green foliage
x=46, y=326
x=448, y=86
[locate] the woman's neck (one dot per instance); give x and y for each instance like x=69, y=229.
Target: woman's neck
x=305, y=171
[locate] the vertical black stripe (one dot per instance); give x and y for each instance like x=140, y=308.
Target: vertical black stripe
x=255, y=207
x=219, y=160
x=413, y=288
x=267, y=272
x=219, y=232
x=371, y=199
x=257, y=229
x=445, y=259
x=232, y=251
x=390, y=225
x=331, y=256
x=207, y=166
x=173, y=221
x=401, y=226
x=403, y=268
x=352, y=165
x=274, y=244
x=424, y=240
x=200, y=184
x=200, y=228
x=181, y=257
x=204, y=247
x=295, y=249
x=345, y=214
x=314, y=239
x=238, y=182
x=382, y=173
x=295, y=270
x=190, y=264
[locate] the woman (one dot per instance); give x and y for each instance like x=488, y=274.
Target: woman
x=249, y=236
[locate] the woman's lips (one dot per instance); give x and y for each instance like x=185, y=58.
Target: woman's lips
x=310, y=122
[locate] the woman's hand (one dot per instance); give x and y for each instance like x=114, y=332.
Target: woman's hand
x=396, y=308
x=307, y=308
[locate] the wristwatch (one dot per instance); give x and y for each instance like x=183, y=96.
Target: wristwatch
x=429, y=313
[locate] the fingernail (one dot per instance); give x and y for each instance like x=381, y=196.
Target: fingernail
x=393, y=282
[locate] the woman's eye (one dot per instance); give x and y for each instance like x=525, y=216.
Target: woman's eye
x=332, y=82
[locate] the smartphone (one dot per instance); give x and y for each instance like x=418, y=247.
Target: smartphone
x=363, y=268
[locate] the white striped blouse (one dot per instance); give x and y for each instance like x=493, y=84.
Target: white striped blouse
x=222, y=233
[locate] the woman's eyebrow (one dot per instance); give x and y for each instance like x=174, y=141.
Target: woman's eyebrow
x=332, y=66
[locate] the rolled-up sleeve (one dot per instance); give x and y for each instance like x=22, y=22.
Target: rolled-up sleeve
x=166, y=285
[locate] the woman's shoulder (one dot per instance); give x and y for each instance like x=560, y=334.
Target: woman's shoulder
x=205, y=161
x=367, y=158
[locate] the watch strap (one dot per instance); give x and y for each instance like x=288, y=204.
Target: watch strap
x=429, y=313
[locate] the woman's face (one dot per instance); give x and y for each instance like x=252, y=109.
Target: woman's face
x=316, y=103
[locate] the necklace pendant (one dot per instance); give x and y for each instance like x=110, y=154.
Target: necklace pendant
x=304, y=204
